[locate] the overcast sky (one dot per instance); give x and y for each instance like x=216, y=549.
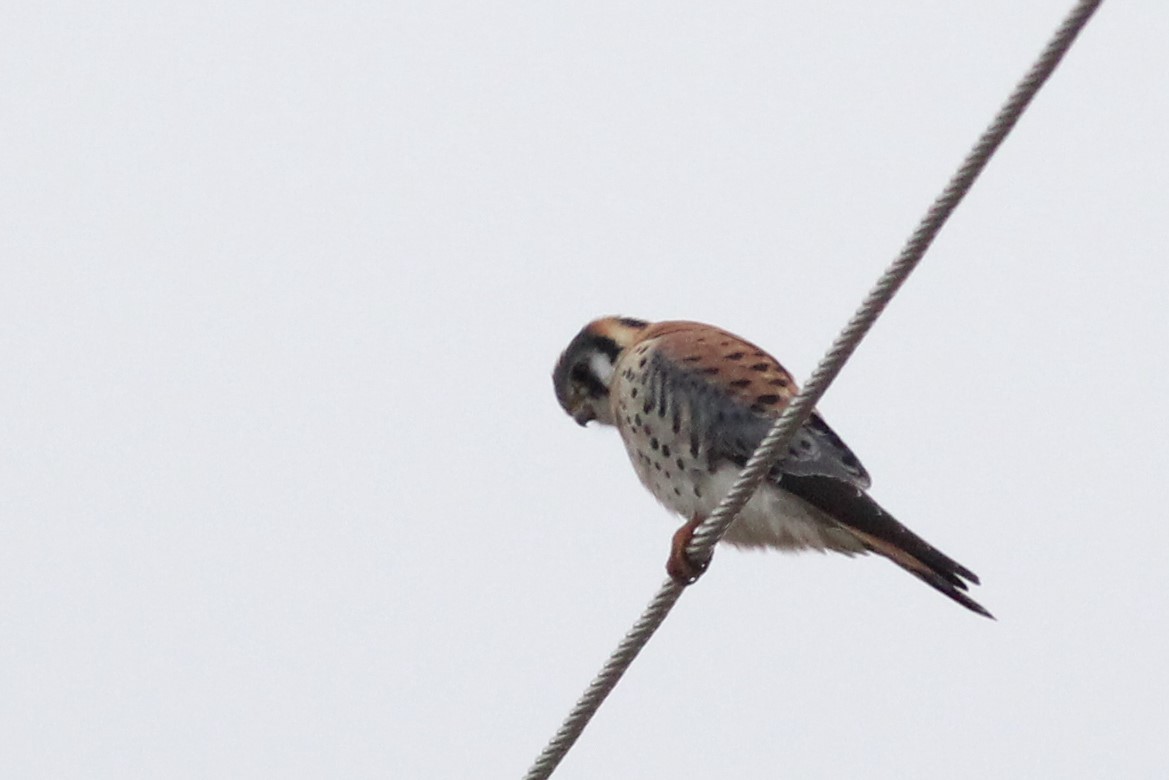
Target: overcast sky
x=284, y=489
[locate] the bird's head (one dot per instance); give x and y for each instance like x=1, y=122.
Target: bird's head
x=585, y=369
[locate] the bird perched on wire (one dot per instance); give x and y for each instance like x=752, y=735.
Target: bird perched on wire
x=692, y=402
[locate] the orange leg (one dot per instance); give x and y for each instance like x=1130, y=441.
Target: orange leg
x=680, y=567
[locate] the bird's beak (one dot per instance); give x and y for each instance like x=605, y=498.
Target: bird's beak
x=584, y=415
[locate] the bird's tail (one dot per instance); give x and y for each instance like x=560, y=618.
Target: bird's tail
x=881, y=533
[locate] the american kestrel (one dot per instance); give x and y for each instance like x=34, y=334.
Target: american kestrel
x=692, y=402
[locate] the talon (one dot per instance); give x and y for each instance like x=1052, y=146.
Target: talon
x=680, y=566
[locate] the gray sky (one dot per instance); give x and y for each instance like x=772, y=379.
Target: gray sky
x=284, y=490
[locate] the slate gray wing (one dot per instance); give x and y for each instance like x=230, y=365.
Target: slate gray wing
x=726, y=428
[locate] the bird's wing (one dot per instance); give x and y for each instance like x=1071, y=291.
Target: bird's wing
x=731, y=392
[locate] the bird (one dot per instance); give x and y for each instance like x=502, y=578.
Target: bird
x=692, y=402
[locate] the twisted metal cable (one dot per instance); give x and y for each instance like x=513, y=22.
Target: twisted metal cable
x=775, y=444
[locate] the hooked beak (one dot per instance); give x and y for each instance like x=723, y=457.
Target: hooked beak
x=584, y=415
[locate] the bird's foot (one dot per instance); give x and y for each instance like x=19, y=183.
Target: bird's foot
x=681, y=567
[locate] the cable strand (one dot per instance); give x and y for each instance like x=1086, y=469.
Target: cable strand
x=775, y=443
